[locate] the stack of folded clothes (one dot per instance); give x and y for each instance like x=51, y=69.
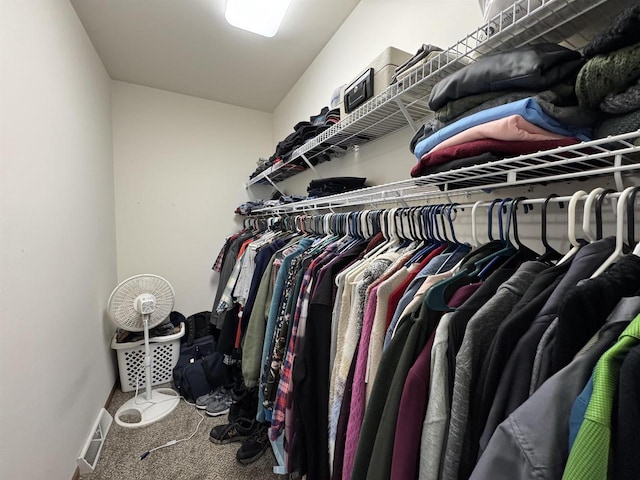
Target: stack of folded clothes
x=508, y=104
x=334, y=185
x=610, y=79
x=303, y=132
x=248, y=207
x=276, y=199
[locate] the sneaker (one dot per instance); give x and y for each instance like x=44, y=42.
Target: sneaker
x=254, y=447
x=219, y=405
x=203, y=400
x=237, y=431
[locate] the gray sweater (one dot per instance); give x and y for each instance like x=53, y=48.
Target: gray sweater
x=477, y=338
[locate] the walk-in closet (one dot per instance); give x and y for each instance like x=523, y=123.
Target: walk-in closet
x=320, y=239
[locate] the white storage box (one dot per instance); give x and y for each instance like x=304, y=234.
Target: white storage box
x=165, y=352
x=373, y=81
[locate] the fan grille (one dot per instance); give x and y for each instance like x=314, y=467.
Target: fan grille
x=121, y=302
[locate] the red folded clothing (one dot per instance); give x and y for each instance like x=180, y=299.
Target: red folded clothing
x=478, y=147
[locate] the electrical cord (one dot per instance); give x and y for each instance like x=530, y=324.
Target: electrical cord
x=170, y=442
x=175, y=442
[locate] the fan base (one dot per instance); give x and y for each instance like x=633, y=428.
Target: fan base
x=140, y=412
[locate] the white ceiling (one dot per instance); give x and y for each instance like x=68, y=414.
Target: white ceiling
x=186, y=46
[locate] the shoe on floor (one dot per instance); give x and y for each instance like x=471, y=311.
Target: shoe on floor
x=203, y=400
x=254, y=447
x=237, y=431
x=219, y=405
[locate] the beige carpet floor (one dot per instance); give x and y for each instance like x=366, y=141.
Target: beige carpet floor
x=196, y=459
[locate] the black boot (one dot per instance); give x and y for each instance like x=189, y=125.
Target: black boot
x=244, y=403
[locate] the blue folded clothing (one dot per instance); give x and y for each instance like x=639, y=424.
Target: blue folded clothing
x=528, y=108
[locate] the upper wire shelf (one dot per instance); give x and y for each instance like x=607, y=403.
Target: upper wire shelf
x=569, y=22
x=606, y=156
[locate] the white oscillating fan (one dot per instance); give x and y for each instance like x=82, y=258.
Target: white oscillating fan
x=138, y=304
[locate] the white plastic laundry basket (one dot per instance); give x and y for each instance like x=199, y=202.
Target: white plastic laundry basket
x=165, y=352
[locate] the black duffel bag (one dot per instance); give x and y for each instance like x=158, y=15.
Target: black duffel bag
x=200, y=368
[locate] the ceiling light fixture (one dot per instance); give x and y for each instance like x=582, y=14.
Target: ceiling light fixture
x=258, y=16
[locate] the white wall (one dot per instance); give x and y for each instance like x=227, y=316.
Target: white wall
x=180, y=166
x=373, y=26
x=57, y=238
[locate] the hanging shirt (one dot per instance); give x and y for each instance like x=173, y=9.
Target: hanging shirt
x=271, y=321
x=626, y=461
x=437, y=413
x=475, y=344
x=311, y=374
x=589, y=457
x=523, y=447
x=513, y=389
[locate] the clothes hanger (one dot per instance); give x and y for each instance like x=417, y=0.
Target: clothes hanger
x=599, y=202
x=455, y=246
x=474, y=226
x=388, y=233
x=417, y=219
x=586, y=216
x=550, y=254
x=490, y=218
x=511, y=252
x=438, y=295
x=571, y=227
x=445, y=214
x=414, y=240
x=475, y=243
x=415, y=226
x=404, y=237
x=423, y=218
x=371, y=223
x=450, y=221
x=620, y=217
x=631, y=200
x=524, y=253
x=507, y=249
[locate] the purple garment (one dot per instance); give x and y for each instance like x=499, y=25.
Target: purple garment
x=341, y=431
x=462, y=294
x=413, y=407
x=359, y=388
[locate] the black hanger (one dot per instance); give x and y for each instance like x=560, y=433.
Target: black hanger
x=439, y=217
x=523, y=249
x=397, y=216
x=450, y=220
x=434, y=223
x=424, y=221
x=414, y=227
x=490, y=218
x=550, y=254
x=599, y=202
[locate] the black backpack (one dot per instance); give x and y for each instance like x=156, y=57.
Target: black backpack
x=200, y=369
x=197, y=326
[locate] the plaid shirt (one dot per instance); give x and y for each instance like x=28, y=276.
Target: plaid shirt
x=302, y=306
x=273, y=364
x=217, y=265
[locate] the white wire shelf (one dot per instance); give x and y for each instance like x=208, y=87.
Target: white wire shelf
x=606, y=156
x=569, y=22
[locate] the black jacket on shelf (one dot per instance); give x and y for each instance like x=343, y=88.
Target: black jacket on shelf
x=531, y=67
